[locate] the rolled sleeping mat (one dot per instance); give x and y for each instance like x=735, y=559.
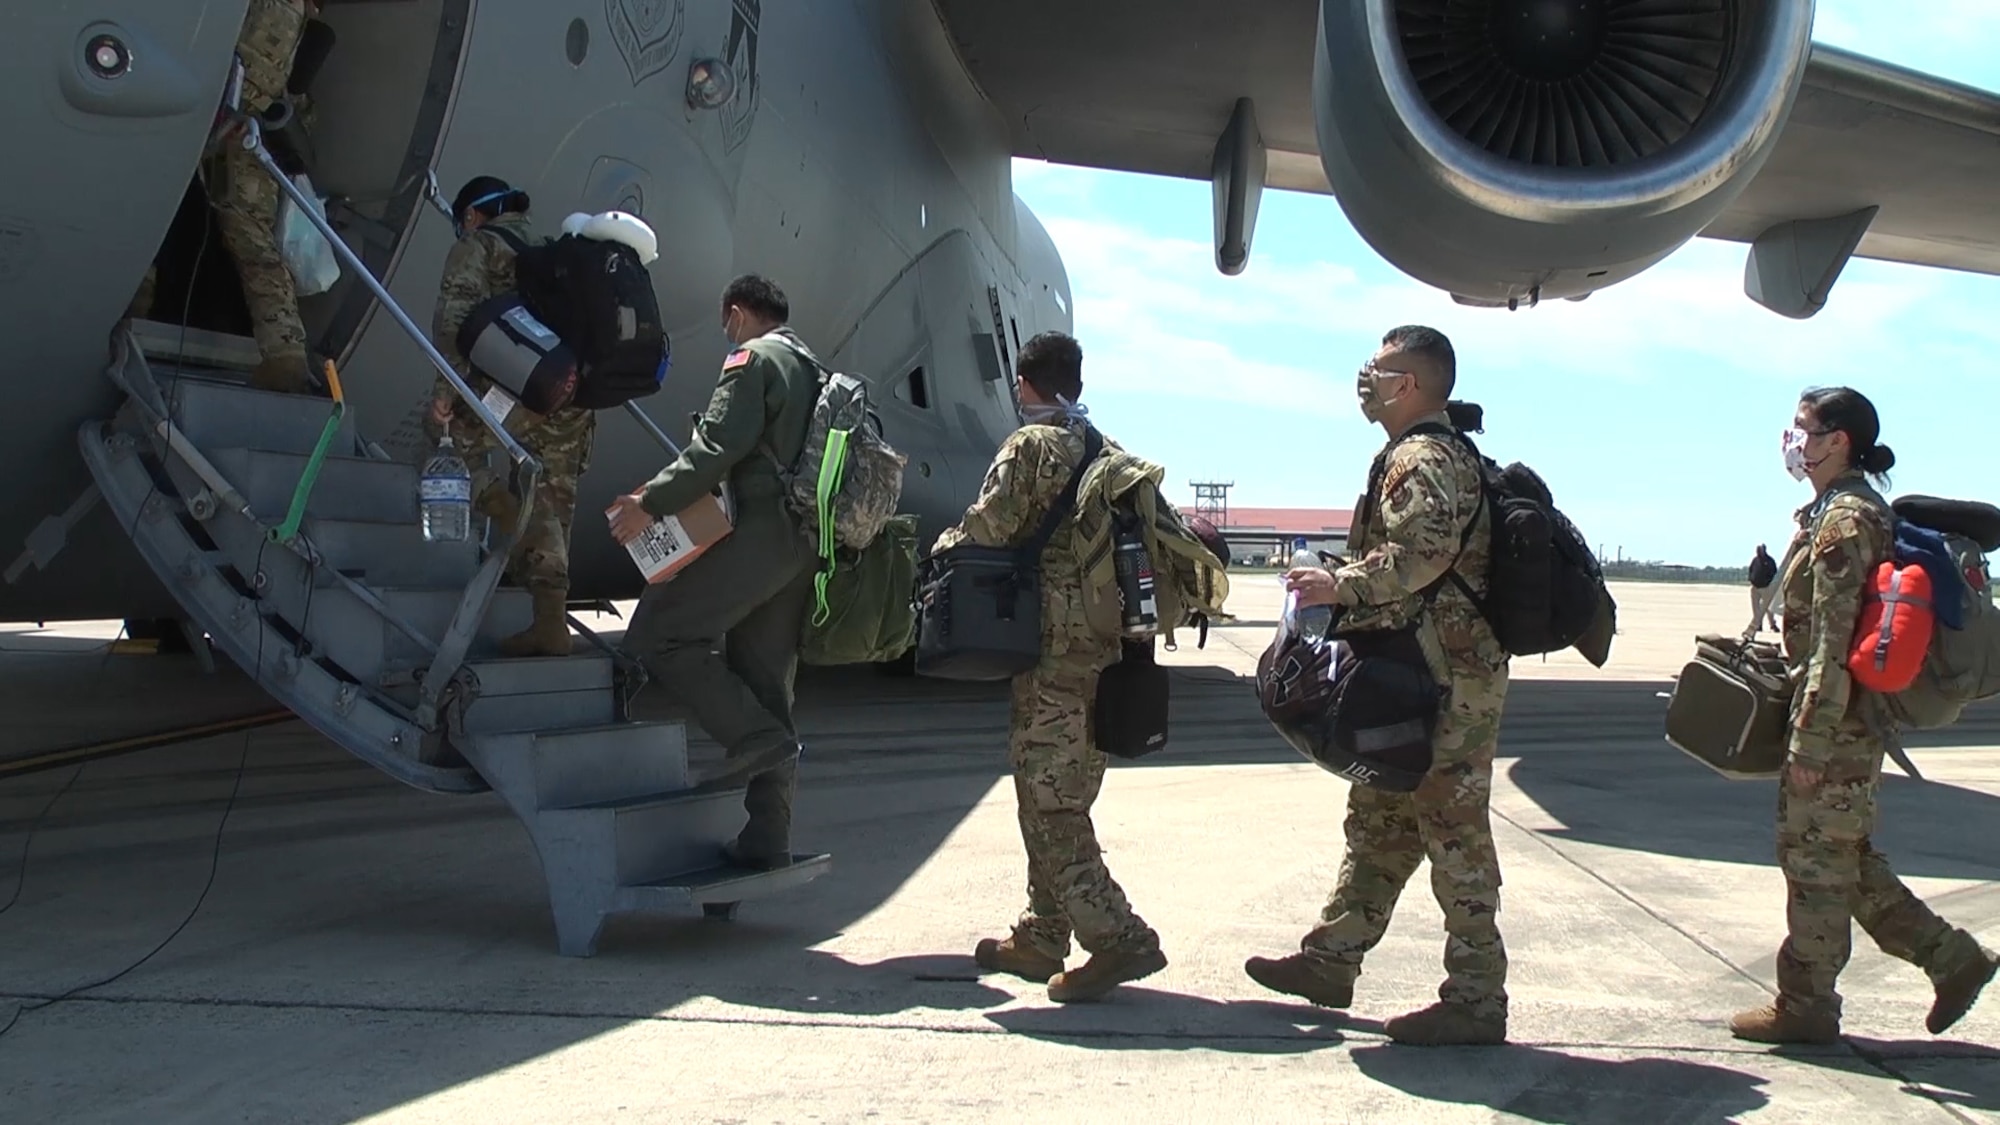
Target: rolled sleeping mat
x=505, y=343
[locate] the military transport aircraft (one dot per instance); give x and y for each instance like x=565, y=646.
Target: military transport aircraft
x=1505, y=151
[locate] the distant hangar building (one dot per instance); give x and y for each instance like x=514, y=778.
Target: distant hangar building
x=1264, y=536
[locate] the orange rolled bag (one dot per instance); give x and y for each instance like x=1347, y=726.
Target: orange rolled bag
x=1894, y=633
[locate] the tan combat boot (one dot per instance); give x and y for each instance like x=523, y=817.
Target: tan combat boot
x=1012, y=955
x=284, y=372
x=1957, y=993
x=1772, y=1024
x=1297, y=975
x=547, y=634
x=1104, y=972
x=1447, y=1025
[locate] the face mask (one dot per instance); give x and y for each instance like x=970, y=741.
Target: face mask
x=1795, y=454
x=1046, y=413
x=1368, y=388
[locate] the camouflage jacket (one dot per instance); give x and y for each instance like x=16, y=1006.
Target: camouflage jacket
x=1027, y=477
x=1843, y=537
x=479, y=266
x=763, y=400
x=269, y=39
x=1408, y=538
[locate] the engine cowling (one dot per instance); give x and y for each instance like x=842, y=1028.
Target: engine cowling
x=1518, y=150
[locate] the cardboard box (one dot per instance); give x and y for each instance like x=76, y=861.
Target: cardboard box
x=672, y=542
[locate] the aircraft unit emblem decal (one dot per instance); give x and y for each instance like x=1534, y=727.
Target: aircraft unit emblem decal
x=648, y=33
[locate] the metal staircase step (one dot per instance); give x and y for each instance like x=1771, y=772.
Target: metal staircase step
x=221, y=415
x=664, y=835
x=391, y=554
x=348, y=488
x=558, y=769
x=717, y=890
x=542, y=693
x=169, y=344
x=596, y=765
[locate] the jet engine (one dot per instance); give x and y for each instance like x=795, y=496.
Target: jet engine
x=1510, y=151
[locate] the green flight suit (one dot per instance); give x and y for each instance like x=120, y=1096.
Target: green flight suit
x=748, y=592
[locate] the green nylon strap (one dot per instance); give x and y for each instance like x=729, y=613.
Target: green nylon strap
x=289, y=530
x=832, y=471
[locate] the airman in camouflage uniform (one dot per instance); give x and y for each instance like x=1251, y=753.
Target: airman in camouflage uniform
x=1839, y=734
x=746, y=595
x=1058, y=769
x=247, y=199
x=1413, y=532
x=481, y=265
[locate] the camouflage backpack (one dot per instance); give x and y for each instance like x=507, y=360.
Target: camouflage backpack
x=1190, y=584
x=846, y=481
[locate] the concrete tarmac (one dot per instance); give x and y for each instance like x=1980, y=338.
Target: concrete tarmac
x=366, y=952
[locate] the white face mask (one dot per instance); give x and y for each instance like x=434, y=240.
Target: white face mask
x=1795, y=454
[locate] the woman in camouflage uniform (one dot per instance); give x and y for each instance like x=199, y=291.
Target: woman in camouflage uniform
x=479, y=266
x=1839, y=733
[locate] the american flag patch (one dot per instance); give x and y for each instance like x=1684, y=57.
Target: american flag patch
x=737, y=358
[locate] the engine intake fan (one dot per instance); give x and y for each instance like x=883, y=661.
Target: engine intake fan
x=1520, y=150
x=1569, y=83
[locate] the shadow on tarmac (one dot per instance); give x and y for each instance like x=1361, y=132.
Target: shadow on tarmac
x=1563, y=1089
x=441, y=897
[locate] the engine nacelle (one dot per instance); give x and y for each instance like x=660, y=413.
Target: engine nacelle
x=1518, y=150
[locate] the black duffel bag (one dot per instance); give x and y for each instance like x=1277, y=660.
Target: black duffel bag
x=1132, y=703
x=1361, y=705
x=980, y=608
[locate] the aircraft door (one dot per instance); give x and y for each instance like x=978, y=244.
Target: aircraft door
x=973, y=347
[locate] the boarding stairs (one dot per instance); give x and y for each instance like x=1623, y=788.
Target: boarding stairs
x=296, y=546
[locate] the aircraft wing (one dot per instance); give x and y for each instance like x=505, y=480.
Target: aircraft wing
x=1149, y=85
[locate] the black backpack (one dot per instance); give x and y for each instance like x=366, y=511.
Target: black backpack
x=1545, y=589
x=599, y=299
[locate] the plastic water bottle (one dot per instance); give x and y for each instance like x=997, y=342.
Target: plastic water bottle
x=1314, y=620
x=1133, y=566
x=444, y=493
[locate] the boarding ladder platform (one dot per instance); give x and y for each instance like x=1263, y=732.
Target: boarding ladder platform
x=297, y=546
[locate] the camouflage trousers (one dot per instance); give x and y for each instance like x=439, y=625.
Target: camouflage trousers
x=1833, y=873
x=540, y=558
x=1445, y=819
x=246, y=202
x=1058, y=772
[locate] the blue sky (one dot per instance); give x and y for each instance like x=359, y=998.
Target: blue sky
x=1653, y=409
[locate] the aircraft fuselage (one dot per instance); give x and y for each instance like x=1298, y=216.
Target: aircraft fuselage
x=855, y=164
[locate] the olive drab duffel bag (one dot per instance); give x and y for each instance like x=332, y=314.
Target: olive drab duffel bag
x=866, y=610
x=1731, y=707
